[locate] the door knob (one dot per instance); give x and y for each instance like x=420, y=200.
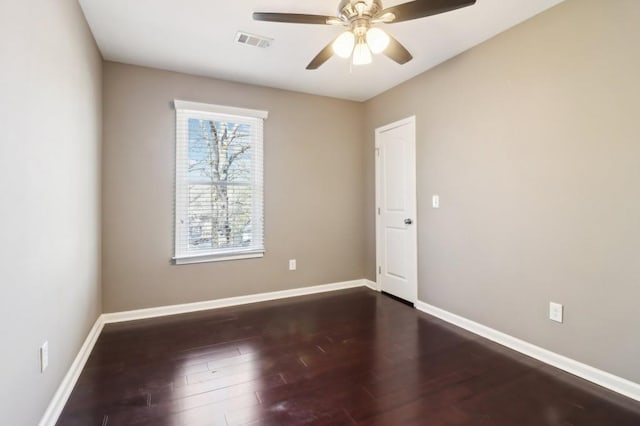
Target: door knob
x=408, y=221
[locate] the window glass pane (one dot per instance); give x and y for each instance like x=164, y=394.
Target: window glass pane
x=219, y=187
x=220, y=173
x=220, y=216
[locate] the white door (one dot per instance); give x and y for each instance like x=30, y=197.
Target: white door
x=396, y=241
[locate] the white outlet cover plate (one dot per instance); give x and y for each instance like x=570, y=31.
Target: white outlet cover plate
x=555, y=311
x=435, y=200
x=292, y=265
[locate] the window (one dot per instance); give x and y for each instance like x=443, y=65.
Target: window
x=219, y=189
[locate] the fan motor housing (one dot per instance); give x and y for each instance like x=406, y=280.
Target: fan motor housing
x=348, y=9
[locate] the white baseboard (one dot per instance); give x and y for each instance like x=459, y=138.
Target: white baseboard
x=230, y=301
x=592, y=374
x=61, y=396
x=371, y=284
x=63, y=392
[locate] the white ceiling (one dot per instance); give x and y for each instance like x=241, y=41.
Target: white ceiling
x=197, y=37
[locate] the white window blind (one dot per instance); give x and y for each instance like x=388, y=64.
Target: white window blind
x=219, y=183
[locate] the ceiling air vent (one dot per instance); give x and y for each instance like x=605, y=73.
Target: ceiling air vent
x=253, y=40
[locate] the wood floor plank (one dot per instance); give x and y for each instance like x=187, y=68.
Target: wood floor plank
x=341, y=358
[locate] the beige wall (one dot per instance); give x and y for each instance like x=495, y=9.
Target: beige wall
x=313, y=191
x=532, y=142
x=50, y=120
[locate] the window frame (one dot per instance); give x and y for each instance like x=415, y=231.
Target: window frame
x=211, y=111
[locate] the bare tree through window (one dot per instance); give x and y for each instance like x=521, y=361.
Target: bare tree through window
x=219, y=213
x=220, y=184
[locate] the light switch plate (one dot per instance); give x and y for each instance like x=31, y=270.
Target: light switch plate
x=292, y=264
x=44, y=356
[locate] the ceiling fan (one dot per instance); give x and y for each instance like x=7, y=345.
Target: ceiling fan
x=362, y=36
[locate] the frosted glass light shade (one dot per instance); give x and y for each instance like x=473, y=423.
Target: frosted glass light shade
x=343, y=45
x=377, y=40
x=361, y=54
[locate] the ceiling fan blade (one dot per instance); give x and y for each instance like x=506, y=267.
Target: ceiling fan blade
x=292, y=18
x=396, y=51
x=322, y=57
x=421, y=8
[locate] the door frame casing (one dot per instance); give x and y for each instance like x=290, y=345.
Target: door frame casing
x=412, y=190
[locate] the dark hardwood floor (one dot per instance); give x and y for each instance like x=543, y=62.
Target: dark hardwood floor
x=341, y=358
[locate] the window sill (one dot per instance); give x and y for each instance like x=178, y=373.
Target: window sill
x=205, y=258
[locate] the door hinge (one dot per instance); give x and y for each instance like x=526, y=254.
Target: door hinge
x=378, y=152
x=379, y=269
x=378, y=210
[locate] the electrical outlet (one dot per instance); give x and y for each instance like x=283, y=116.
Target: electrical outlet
x=435, y=201
x=555, y=312
x=44, y=356
x=292, y=264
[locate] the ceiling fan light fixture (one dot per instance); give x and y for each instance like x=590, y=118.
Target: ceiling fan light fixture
x=343, y=45
x=377, y=40
x=361, y=41
x=361, y=54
